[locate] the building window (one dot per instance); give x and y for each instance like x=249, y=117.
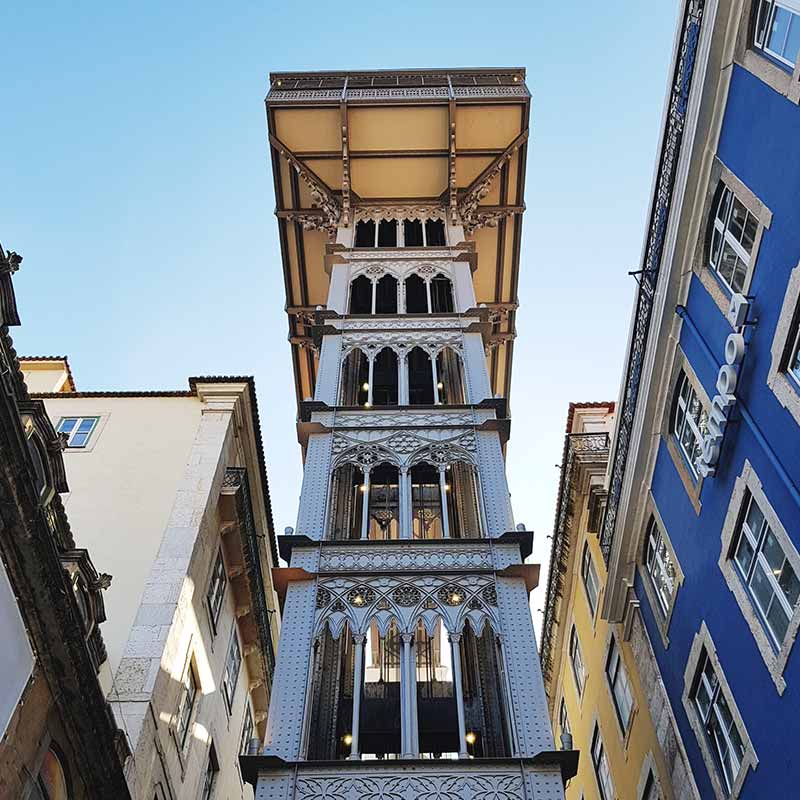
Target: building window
x=722, y=733
x=187, y=705
x=793, y=367
x=619, y=684
x=777, y=30
x=660, y=567
x=732, y=239
x=765, y=568
x=210, y=776
x=590, y=580
x=78, y=430
x=563, y=718
x=216, y=590
x=232, y=667
x=601, y=769
x=651, y=788
x=690, y=420
x=576, y=658
x=247, y=730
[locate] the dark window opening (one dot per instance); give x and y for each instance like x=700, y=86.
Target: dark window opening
x=450, y=378
x=387, y=233
x=379, y=720
x=384, y=378
x=346, y=502
x=463, y=509
x=434, y=233
x=426, y=502
x=365, y=233
x=416, y=295
x=386, y=295
x=384, y=502
x=420, y=378
x=355, y=379
x=361, y=295
x=437, y=712
x=441, y=295
x=412, y=232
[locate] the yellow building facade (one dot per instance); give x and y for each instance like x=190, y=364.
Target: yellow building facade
x=602, y=686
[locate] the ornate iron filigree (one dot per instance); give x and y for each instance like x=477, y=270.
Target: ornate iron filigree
x=406, y=596
x=361, y=596
x=648, y=278
x=451, y=594
x=323, y=598
x=489, y=594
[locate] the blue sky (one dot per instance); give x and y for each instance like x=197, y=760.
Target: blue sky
x=136, y=185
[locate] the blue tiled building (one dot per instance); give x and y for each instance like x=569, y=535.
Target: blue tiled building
x=702, y=529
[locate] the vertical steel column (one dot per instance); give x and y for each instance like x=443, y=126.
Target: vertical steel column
x=443, y=493
x=455, y=650
x=358, y=681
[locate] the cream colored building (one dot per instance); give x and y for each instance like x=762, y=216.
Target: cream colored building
x=168, y=490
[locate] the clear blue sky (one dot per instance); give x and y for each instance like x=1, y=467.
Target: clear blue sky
x=136, y=185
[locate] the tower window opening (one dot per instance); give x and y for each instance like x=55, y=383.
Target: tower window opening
x=387, y=233
x=463, y=501
x=380, y=704
x=426, y=502
x=361, y=295
x=385, y=378
x=416, y=295
x=386, y=295
x=346, y=502
x=384, y=502
x=450, y=377
x=412, y=233
x=365, y=233
x=420, y=378
x=434, y=233
x=441, y=295
x=355, y=379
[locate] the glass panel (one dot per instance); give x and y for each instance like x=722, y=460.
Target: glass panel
x=724, y=203
x=789, y=583
x=86, y=425
x=763, y=19
x=755, y=518
x=727, y=263
x=778, y=621
x=744, y=554
x=794, y=364
x=716, y=243
x=750, y=229
x=780, y=26
x=762, y=589
x=738, y=218
x=792, y=46
x=67, y=424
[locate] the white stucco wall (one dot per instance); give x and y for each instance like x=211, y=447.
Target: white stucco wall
x=122, y=488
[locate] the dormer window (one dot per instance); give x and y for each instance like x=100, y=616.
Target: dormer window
x=78, y=430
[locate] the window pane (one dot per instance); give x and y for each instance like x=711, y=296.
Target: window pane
x=727, y=264
x=79, y=440
x=755, y=518
x=744, y=555
x=763, y=19
x=750, y=229
x=716, y=243
x=66, y=425
x=793, y=40
x=778, y=621
x=738, y=218
x=780, y=25
x=86, y=425
x=762, y=589
x=789, y=583
x=724, y=203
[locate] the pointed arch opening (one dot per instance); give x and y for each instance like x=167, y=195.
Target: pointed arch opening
x=354, y=388
x=420, y=378
x=361, y=295
x=346, y=502
x=450, y=375
x=412, y=233
x=434, y=233
x=330, y=725
x=426, y=502
x=386, y=295
x=365, y=233
x=387, y=233
x=384, y=502
x=380, y=733
x=463, y=501
x=442, y=295
x=385, y=378
x=416, y=295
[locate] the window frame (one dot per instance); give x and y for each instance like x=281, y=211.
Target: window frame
x=589, y=571
x=620, y=674
x=74, y=430
x=216, y=592
x=748, y=485
x=722, y=227
x=230, y=679
x=681, y=409
x=761, y=46
x=576, y=654
x=212, y=770
x=703, y=652
x=248, y=726
x=781, y=379
x=563, y=717
x=187, y=706
x=599, y=758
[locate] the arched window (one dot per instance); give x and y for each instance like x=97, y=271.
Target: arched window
x=412, y=233
x=420, y=378
x=385, y=378
x=361, y=295
x=450, y=377
x=346, y=502
x=441, y=295
x=437, y=712
x=51, y=784
x=355, y=379
x=331, y=708
x=486, y=713
x=434, y=233
x=386, y=295
x=426, y=502
x=379, y=729
x=384, y=502
x=416, y=295
x=463, y=501
x=365, y=233
x=387, y=233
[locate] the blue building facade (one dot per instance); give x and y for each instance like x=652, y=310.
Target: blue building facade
x=702, y=531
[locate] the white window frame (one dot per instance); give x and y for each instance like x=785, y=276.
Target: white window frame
x=793, y=365
x=576, y=659
x=190, y=690
x=563, y=717
x=248, y=727
x=230, y=677
x=217, y=587
x=722, y=227
x=212, y=770
x=657, y=568
x=618, y=680
x=591, y=582
x=602, y=769
x=793, y=7
x=781, y=379
x=682, y=418
x=703, y=649
x=74, y=430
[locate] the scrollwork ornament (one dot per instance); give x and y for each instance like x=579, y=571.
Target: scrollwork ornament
x=406, y=596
